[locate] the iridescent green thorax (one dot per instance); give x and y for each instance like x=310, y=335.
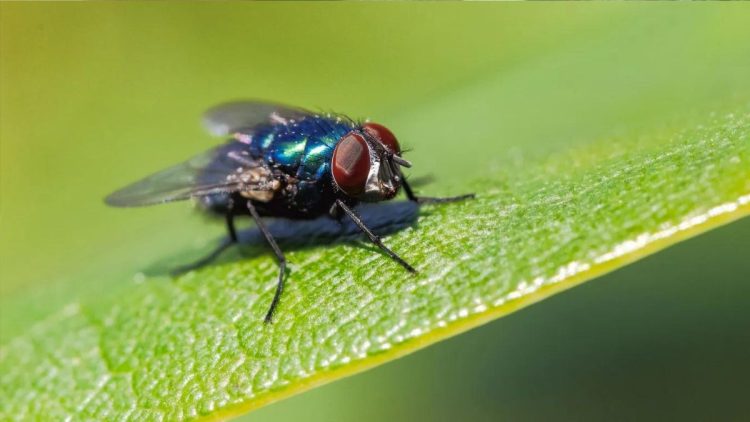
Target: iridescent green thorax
x=303, y=149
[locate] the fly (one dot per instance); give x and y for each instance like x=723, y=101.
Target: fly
x=287, y=162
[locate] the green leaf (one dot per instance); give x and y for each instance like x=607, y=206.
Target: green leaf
x=579, y=168
x=197, y=345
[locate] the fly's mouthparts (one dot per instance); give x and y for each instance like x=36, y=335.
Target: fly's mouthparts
x=400, y=161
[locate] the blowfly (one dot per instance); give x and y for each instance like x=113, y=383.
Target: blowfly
x=286, y=162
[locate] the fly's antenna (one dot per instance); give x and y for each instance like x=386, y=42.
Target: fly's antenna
x=395, y=158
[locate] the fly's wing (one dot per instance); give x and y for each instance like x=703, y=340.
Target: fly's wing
x=223, y=169
x=244, y=116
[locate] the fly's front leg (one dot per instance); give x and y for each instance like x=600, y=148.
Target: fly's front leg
x=279, y=255
x=230, y=240
x=338, y=215
x=431, y=200
x=373, y=237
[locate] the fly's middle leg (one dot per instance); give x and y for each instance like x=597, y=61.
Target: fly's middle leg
x=279, y=256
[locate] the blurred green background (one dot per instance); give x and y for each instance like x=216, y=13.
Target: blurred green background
x=93, y=96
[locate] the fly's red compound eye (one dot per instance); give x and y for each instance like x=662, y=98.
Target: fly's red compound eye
x=351, y=163
x=384, y=135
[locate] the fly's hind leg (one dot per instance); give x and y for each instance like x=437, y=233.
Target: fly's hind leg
x=228, y=241
x=431, y=200
x=279, y=256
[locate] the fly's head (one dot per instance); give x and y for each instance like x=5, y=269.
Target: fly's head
x=366, y=163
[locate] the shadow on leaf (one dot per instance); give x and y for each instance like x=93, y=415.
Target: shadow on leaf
x=382, y=218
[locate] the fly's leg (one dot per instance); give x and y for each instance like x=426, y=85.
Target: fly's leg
x=431, y=200
x=279, y=255
x=228, y=241
x=337, y=215
x=373, y=237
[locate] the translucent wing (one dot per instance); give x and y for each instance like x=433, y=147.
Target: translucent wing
x=244, y=116
x=222, y=169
